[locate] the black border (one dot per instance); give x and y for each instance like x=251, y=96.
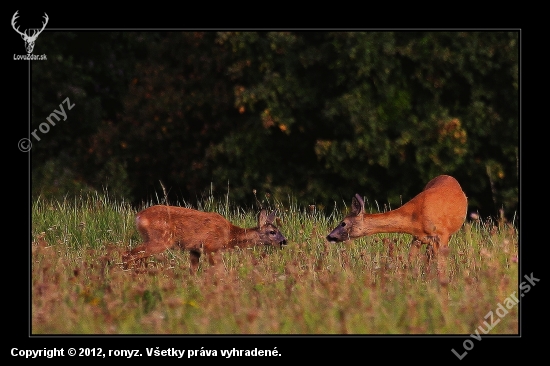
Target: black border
x=310, y=347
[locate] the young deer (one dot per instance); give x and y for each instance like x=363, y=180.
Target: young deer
x=431, y=217
x=163, y=227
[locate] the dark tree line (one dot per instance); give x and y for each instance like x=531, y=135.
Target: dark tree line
x=316, y=116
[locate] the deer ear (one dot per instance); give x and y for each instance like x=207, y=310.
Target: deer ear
x=262, y=218
x=357, y=205
x=271, y=218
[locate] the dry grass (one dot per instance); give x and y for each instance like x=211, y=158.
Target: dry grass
x=308, y=287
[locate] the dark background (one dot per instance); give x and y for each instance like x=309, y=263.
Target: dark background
x=308, y=117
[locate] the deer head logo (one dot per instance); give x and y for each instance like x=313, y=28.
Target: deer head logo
x=29, y=39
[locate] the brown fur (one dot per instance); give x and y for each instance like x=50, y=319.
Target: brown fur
x=163, y=227
x=431, y=217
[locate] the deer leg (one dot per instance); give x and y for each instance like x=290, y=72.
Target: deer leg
x=430, y=253
x=415, y=248
x=133, y=255
x=442, y=257
x=194, y=256
x=433, y=252
x=216, y=262
x=414, y=263
x=215, y=258
x=144, y=251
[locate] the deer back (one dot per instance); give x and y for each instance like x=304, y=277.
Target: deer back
x=439, y=210
x=188, y=228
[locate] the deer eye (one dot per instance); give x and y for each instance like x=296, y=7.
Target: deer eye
x=343, y=224
x=272, y=232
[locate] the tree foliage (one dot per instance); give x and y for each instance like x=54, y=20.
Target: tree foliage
x=317, y=116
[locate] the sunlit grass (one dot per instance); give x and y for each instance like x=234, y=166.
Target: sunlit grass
x=308, y=287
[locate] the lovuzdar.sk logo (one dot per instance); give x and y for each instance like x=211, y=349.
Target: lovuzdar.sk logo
x=29, y=39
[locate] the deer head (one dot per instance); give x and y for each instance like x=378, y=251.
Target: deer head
x=29, y=39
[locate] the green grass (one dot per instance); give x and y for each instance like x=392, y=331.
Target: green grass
x=308, y=287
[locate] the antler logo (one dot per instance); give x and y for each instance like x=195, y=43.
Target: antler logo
x=29, y=39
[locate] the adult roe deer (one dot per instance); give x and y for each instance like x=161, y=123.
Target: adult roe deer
x=163, y=227
x=431, y=217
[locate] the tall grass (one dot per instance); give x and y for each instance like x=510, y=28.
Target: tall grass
x=308, y=287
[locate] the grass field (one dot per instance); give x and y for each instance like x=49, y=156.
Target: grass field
x=78, y=285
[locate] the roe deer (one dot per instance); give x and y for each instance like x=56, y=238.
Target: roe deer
x=431, y=217
x=162, y=227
